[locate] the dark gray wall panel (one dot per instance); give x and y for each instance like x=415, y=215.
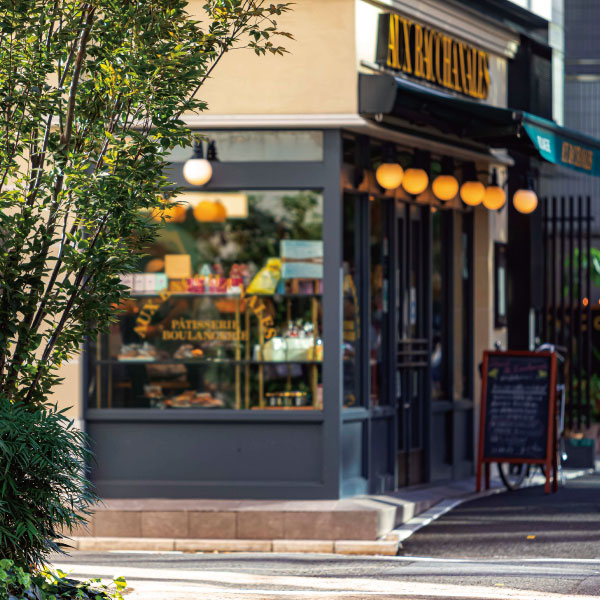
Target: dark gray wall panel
x=353, y=450
x=166, y=459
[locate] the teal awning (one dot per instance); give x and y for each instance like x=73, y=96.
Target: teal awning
x=395, y=100
x=563, y=146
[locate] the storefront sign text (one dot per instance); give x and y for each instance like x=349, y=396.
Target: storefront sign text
x=425, y=53
x=198, y=330
x=577, y=156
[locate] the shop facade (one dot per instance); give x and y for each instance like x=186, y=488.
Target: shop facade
x=298, y=330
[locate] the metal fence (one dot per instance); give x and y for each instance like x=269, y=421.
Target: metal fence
x=566, y=315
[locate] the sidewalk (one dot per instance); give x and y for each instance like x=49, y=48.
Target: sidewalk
x=359, y=525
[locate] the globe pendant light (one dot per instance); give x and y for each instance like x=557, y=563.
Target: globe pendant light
x=207, y=211
x=494, y=197
x=472, y=190
x=525, y=201
x=445, y=185
x=416, y=178
x=197, y=170
x=389, y=173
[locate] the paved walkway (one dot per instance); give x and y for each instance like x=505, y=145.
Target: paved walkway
x=521, y=524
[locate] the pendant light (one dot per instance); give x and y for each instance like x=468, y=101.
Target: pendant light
x=198, y=170
x=207, y=211
x=389, y=173
x=472, y=190
x=416, y=179
x=494, y=197
x=445, y=185
x=525, y=200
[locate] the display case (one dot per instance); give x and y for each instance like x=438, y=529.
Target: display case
x=222, y=314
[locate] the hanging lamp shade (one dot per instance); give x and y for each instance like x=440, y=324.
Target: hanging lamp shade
x=472, y=190
x=525, y=201
x=389, y=173
x=197, y=170
x=445, y=185
x=416, y=178
x=207, y=211
x=415, y=181
x=495, y=196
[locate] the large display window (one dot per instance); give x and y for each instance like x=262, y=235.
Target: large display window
x=225, y=311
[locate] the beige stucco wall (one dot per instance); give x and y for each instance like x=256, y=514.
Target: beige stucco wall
x=68, y=394
x=489, y=227
x=317, y=76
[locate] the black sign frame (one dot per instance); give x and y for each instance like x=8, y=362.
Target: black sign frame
x=550, y=458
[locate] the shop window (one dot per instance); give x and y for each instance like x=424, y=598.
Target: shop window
x=261, y=146
x=222, y=314
x=439, y=282
x=352, y=339
x=379, y=225
x=451, y=290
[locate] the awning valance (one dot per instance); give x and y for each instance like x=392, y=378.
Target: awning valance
x=393, y=98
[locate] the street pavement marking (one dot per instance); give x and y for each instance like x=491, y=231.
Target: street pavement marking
x=236, y=584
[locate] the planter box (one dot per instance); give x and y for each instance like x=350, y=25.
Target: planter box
x=581, y=453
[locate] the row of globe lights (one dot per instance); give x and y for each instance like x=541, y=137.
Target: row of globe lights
x=445, y=187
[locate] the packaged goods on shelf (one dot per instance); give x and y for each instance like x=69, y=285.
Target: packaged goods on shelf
x=178, y=266
x=267, y=278
x=148, y=283
x=301, y=259
x=127, y=279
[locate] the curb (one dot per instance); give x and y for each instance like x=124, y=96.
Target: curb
x=386, y=547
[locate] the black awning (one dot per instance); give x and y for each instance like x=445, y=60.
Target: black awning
x=394, y=98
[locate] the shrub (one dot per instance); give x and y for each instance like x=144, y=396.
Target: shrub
x=17, y=584
x=43, y=489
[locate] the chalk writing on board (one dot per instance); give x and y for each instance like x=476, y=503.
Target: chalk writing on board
x=517, y=403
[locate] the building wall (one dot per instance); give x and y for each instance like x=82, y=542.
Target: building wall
x=317, y=76
x=489, y=227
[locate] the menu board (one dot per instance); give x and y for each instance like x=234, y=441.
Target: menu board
x=517, y=405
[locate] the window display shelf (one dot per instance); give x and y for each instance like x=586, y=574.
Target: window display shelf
x=224, y=295
x=205, y=361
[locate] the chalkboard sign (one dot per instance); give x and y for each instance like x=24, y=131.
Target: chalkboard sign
x=517, y=409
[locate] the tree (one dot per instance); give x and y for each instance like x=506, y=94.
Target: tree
x=92, y=97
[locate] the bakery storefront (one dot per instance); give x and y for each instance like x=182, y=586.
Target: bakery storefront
x=307, y=322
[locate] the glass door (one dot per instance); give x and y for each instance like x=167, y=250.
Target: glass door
x=413, y=344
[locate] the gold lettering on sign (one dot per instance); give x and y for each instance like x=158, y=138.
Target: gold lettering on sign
x=577, y=156
x=455, y=68
x=428, y=37
x=393, y=59
x=407, y=63
x=430, y=55
x=419, y=58
x=447, y=60
x=438, y=58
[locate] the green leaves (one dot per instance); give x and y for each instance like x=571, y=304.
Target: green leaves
x=19, y=584
x=43, y=489
x=91, y=103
